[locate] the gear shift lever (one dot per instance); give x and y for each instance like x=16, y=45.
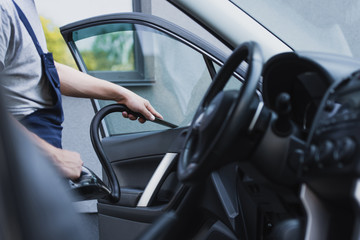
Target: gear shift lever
x=282, y=126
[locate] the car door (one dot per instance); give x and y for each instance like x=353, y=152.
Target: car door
x=172, y=69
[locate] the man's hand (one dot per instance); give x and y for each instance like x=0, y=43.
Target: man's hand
x=68, y=162
x=138, y=104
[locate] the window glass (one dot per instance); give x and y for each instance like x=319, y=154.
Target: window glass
x=320, y=26
x=111, y=51
x=170, y=74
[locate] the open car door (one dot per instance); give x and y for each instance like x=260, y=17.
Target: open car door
x=172, y=69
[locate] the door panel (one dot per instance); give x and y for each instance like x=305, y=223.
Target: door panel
x=135, y=157
x=130, y=146
x=169, y=67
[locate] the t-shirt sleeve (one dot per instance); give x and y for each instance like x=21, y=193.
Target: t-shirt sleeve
x=5, y=33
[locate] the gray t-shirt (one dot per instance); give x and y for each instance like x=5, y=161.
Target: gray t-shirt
x=25, y=88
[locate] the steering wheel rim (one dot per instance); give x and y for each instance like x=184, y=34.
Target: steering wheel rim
x=191, y=164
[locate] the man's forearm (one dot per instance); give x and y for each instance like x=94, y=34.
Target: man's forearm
x=77, y=84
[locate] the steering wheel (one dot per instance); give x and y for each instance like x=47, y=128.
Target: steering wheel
x=221, y=116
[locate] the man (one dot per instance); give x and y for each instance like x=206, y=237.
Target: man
x=33, y=86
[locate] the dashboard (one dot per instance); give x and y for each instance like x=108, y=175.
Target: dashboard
x=306, y=77
x=324, y=92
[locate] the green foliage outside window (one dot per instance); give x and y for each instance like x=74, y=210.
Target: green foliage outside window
x=108, y=52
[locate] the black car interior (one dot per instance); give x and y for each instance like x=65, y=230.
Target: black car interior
x=242, y=163
x=241, y=170
x=249, y=189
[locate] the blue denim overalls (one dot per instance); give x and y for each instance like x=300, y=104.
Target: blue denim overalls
x=46, y=123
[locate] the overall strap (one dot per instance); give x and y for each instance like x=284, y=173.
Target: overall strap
x=28, y=28
x=45, y=122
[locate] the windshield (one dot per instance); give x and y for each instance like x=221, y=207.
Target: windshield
x=331, y=26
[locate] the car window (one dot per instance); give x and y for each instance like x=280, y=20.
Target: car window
x=170, y=74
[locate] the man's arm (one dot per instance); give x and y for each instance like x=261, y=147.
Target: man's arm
x=77, y=84
x=69, y=163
